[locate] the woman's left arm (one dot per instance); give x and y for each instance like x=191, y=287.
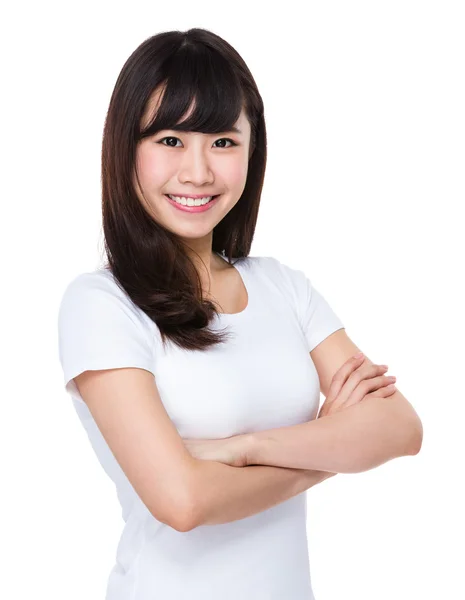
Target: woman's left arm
x=356, y=439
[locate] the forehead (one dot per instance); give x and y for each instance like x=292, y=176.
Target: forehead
x=154, y=102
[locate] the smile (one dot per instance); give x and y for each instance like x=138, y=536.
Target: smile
x=187, y=201
x=191, y=205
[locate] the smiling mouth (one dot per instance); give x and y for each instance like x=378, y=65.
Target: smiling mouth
x=193, y=200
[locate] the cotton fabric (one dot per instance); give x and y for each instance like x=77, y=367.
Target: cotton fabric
x=261, y=379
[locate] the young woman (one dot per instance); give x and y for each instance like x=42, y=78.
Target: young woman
x=196, y=368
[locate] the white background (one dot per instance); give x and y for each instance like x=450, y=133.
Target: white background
x=364, y=106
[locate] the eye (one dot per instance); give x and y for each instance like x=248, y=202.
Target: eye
x=226, y=140
x=168, y=138
x=233, y=143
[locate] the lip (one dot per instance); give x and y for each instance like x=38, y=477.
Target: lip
x=194, y=209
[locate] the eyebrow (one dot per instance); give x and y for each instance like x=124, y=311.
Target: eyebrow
x=233, y=129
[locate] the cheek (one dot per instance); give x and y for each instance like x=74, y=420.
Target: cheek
x=236, y=172
x=151, y=165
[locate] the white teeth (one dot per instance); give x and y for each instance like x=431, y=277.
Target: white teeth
x=190, y=201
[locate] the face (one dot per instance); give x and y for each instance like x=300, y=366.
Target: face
x=192, y=164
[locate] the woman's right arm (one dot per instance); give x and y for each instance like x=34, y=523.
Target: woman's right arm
x=179, y=490
x=224, y=493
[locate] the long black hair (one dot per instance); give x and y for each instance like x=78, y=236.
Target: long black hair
x=148, y=261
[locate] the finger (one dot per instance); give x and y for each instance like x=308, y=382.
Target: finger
x=351, y=388
x=384, y=392
x=342, y=374
x=365, y=387
x=368, y=371
x=369, y=385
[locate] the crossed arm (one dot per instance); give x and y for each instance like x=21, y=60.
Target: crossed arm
x=227, y=494
x=293, y=459
x=290, y=460
x=356, y=439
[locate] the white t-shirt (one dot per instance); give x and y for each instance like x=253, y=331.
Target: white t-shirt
x=261, y=379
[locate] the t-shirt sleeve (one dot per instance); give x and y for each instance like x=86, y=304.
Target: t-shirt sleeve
x=98, y=328
x=316, y=317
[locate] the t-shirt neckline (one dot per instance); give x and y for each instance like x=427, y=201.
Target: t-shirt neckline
x=242, y=313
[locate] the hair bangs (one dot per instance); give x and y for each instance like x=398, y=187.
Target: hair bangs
x=201, y=80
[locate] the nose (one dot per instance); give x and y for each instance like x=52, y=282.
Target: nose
x=195, y=167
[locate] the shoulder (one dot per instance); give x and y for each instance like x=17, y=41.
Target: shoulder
x=266, y=264
x=98, y=295
x=284, y=283
x=287, y=279
x=93, y=284
x=273, y=265
x=100, y=279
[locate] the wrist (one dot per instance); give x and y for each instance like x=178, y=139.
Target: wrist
x=250, y=443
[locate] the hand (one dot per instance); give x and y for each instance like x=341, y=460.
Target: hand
x=231, y=451
x=353, y=382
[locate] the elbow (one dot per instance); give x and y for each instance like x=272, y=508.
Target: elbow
x=184, y=521
x=180, y=516
x=185, y=517
x=410, y=428
x=416, y=440
x=408, y=444
x=178, y=509
x=177, y=515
